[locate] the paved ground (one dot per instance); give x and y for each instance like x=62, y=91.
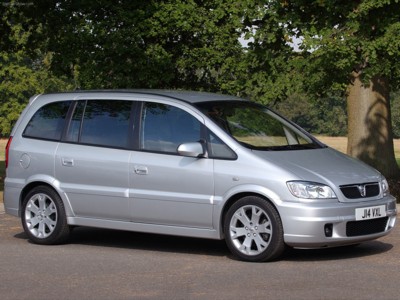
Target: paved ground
x=105, y=264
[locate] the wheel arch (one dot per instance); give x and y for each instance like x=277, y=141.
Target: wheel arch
x=259, y=241
x=52, y=184
x=30, y=186
x=43, y=214
x=233, y=199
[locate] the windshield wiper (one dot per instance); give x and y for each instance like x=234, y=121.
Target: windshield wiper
x=285, y=147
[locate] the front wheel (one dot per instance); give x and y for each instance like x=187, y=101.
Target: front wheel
x=43, y=216
x=253, y=230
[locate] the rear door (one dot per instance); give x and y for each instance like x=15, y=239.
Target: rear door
x=92, y=161
x=167, y=188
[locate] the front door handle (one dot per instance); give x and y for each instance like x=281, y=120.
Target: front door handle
x=141, y=170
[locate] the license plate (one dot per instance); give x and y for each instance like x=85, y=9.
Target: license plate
x=372, y=212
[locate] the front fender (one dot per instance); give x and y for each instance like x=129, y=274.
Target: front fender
x=221, y=203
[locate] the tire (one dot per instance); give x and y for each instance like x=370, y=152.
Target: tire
x=43, y=217
x=253, y=230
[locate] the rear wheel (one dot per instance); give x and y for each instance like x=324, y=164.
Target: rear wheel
x=43, y=216
x=253, y=230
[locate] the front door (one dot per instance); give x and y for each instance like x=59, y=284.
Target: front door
x=167, y=188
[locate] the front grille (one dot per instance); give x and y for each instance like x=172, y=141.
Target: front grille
x=356, y=228
x=363, y=190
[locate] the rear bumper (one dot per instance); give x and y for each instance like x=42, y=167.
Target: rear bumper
x=305, y=224
x=11, y=198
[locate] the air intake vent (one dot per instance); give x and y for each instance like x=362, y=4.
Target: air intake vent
x=356, y=228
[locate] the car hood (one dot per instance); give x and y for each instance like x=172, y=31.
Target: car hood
x=324, y=165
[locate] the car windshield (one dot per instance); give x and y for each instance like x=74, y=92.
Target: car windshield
x=257, y=127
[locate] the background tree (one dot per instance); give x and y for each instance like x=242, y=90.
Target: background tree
x=144, y=44
x=24, y=70
x=395, y=109
x=353, y=47
x=324, y=116
x=269, y=76
x=348, y=48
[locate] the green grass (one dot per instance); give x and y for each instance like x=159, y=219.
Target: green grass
x=3, y=143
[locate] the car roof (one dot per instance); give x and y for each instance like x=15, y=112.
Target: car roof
x=182, y=95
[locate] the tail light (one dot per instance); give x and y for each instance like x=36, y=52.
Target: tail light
x=7, y=150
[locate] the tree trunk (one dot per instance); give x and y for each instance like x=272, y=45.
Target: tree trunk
x=370, y=136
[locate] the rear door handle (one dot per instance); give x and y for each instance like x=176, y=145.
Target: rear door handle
x=67, y=162
x=141, y=170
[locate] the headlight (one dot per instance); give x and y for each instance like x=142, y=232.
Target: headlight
x=310, y=190
x=384, y=186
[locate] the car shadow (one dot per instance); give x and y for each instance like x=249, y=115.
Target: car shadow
x=338, y=253
x=143, y=241
x=186, y=245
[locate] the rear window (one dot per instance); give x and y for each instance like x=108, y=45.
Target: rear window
x=48, y=122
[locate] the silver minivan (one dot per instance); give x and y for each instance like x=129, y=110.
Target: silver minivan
x=189, y=164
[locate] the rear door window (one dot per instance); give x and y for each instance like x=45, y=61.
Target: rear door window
x=101, y=123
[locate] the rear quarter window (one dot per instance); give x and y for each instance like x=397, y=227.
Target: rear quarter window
x=48, y=122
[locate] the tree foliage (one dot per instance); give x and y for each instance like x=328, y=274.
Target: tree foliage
x=22, y=75
x=146, y=44
x=270, y=75
x=324, y=116
x=346, y=36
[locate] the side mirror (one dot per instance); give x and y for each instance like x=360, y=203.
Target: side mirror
x=191, y=150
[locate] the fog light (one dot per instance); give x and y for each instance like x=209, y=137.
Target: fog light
x=328, y=230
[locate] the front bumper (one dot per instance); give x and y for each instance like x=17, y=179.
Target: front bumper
x=318, y=224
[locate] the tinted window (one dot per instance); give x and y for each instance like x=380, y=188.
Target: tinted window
x=48, y=122
x=165, y=127
x=101, y=122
